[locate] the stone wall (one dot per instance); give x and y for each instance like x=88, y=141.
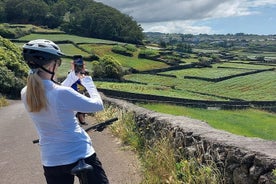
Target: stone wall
x=243, y=160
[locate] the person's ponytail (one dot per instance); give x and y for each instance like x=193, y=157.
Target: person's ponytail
x=35, y=95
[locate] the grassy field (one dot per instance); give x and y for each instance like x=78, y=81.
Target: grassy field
x=64, y=37
x=70, y=50
x=154, y=90
x=126, y=61
x=256, y=87
x=249, y=123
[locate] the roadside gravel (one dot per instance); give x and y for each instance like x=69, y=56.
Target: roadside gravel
x=120, y=163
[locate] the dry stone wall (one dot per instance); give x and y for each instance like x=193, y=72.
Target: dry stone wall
x=243, y=160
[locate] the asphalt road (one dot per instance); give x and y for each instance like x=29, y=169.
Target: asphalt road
x=20, y=158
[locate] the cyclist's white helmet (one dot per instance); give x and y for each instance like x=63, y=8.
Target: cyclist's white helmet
x=40, y=52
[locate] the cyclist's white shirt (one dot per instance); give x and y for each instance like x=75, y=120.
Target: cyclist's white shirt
x=61, y=139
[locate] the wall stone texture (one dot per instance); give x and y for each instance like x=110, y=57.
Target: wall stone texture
x=243, y=160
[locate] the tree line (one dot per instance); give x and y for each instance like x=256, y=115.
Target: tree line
x=80, y=17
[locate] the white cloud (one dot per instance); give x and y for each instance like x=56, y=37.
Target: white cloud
x=164, y=10
x=181, y=15
x=186, y=27
x=256, y=3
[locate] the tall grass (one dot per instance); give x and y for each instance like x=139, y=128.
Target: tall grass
x=3, y=101
x=158, y=157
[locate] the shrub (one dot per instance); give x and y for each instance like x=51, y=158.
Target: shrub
x=130, y=47
x=11, y=32
x=13, y=71
x=274, y=175
x=149, y=54
x=6, y=33
x=3, y=101
x=10, y=84
x=121, y=50
x=126, y=50
x=107, y=67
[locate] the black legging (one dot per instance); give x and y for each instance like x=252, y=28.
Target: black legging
x=62, y=174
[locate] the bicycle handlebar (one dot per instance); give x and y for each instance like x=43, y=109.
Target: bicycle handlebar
x=98, y=127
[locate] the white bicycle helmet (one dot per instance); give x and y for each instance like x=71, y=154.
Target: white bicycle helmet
x=39, y=52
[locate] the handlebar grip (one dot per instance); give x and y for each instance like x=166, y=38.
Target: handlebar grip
x=36, y=141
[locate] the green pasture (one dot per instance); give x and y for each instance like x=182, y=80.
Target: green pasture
x=126, y=61
x=211, y=73
x=137, y=63
x=174, y=83
x=70, y=50
x=206, y=50
x=241, y=66
x=271, y=55
x=249, y=122
x=215, y=72
x=190, y=60
x=152, y=89
x=256, y=87
x=64, y=37
x=255, y=54
x=67, y=49
x=98, y=49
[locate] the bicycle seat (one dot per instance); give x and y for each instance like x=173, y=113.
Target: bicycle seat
x=81, y=167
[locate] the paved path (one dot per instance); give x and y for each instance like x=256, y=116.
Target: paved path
x=20, y=159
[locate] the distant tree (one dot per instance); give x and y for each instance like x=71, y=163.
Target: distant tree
x=260, y=58
x=239, y=34
x=81, y=17
x=56, y=15
x=27, y=11
x=203, y=62
x=163, y=44
x=182, y=47
x=2, y=12
x=214, y=58
x=100, y=21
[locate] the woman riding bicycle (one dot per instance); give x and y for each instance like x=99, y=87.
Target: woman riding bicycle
x=52, y=108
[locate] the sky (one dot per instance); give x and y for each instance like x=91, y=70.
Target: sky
x=201, y=16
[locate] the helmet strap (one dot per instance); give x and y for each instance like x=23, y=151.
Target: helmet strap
x=48, y=71
x=53, y=74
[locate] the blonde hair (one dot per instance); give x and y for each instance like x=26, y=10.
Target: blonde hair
x=35, y=94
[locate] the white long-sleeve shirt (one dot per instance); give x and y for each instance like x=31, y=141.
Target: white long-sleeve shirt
x=61, y=139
